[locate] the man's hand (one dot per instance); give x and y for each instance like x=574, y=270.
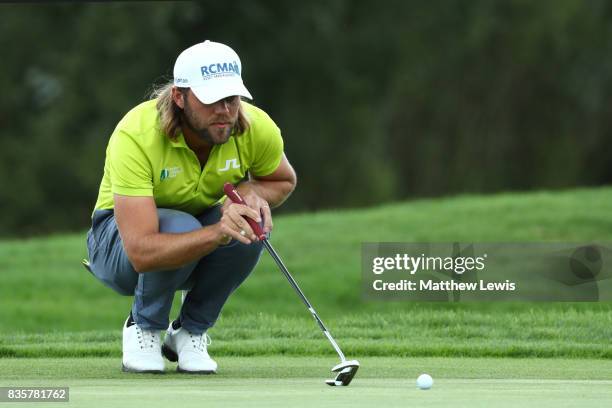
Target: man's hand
x=233, y=225
x=262, y=192
x=258, y=204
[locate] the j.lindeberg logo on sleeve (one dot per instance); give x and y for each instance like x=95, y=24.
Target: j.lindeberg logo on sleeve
x=230, y=164
x=170, y=172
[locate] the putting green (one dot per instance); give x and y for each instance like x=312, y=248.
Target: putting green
x=298, y=382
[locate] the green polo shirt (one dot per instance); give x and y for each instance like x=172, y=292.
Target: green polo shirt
x=142, y=161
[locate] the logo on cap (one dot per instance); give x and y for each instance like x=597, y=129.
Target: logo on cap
x=218, y=70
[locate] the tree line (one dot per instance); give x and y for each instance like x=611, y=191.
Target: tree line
x=376, y=101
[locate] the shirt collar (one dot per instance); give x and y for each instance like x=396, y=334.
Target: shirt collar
x=179, y=141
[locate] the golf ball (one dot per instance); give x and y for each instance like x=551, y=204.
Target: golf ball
x=424, y=381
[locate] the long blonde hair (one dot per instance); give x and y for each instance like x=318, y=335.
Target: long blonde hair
x=170, y=114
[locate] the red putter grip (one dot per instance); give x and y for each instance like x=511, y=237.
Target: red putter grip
x=233, y=195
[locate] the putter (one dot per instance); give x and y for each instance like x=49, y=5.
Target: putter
x=345, y=370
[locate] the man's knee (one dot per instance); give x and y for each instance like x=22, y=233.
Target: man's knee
x=176, y=222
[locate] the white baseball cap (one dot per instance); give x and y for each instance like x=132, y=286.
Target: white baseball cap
x=212, y=70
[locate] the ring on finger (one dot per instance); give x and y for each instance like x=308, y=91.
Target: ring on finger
x=242, y=232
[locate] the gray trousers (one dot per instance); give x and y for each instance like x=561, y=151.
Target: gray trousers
x=210, y=280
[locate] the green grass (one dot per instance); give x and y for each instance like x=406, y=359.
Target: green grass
x=60, y=327
x=298, y=382
x=50, y=306
x=531, y=333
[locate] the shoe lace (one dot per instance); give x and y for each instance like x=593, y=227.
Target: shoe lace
x=200, y=341
x=147, y=338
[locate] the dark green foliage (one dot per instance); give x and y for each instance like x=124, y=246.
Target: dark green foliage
x=377, y=102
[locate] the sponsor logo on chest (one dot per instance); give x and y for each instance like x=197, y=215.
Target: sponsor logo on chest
x=169, y=172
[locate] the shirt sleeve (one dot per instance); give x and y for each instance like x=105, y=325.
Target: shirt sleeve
x=130, y=169
x=267, y=148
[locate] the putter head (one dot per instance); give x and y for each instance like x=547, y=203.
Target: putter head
x=346, y=371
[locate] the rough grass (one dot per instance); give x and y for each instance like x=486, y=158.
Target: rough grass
x=50, y=306
x=463, y=333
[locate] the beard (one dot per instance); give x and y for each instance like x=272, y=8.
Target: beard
x=207, y=133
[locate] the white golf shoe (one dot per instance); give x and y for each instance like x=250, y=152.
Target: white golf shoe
x=189, y=350
x=141, y=350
